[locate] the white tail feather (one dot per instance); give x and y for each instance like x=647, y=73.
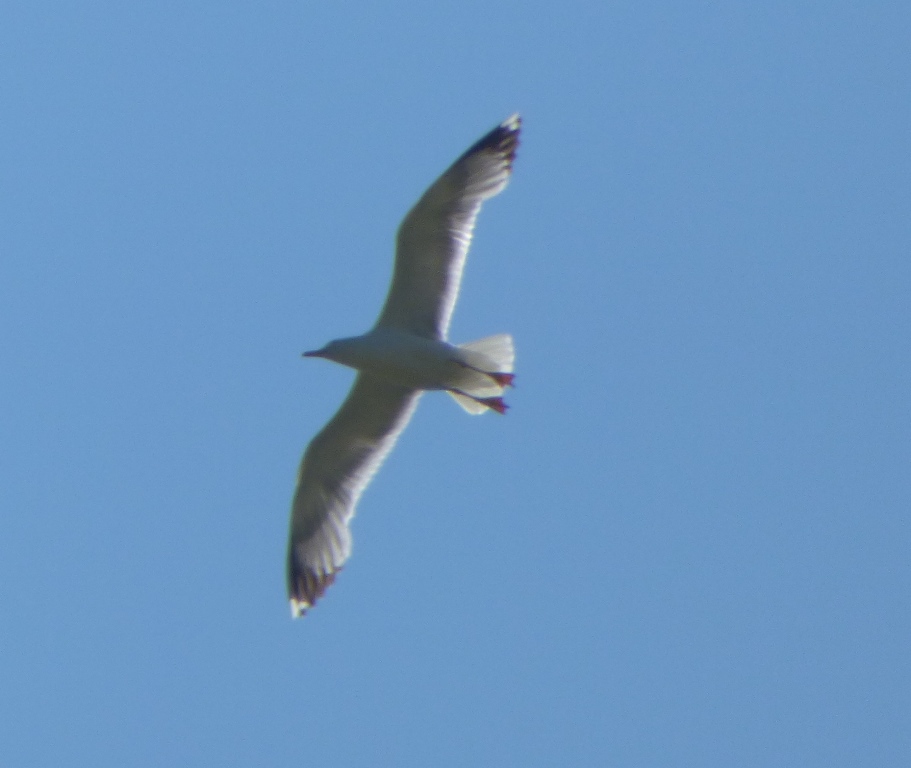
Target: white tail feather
x=472, y=406
x=493, y=353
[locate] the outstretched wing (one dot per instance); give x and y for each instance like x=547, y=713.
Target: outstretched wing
x=336, y=468
x=434, y=237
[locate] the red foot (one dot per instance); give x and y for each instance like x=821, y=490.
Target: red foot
x=503, y=379
x=494, y=403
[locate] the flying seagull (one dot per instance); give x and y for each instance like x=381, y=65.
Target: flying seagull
x=403, y=355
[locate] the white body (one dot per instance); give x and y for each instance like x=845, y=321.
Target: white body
x=413, y=361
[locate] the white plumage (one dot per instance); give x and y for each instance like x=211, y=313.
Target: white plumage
x=404, y=354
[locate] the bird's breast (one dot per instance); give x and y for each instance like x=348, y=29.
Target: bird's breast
x=410, y=361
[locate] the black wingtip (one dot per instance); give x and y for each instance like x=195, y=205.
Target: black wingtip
x=305, y=587
x=502, y=140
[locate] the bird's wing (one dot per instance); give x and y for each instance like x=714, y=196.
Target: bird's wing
x=336, y=468
x=433, y=238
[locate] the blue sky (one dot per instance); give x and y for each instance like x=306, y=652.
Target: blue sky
x=686, y=544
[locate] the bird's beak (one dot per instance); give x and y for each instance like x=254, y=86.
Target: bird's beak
x=315, y=353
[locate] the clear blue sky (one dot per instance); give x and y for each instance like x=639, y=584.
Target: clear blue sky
x=687, y=544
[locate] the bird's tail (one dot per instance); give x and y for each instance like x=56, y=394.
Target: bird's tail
x=492, y=359
x=493, y=353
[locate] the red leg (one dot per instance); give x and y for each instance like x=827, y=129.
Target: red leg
x=494, y=403
x=503, y=379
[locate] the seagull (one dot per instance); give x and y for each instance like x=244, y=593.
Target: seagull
x=403, y=355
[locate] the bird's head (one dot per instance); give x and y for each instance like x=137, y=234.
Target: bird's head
x=342, y=351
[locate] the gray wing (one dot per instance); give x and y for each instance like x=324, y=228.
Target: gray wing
x=336, y=468
x=434, y=237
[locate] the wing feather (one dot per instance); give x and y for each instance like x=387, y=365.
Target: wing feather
x=336, y=467
x=434, y=237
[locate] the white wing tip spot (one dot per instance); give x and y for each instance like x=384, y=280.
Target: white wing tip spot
x=513, y=122
x=299, y=608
